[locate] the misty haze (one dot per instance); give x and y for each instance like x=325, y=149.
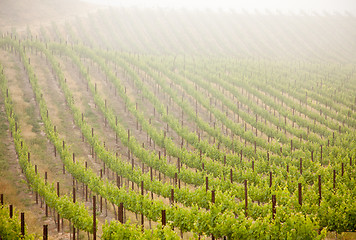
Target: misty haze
x=177, y=120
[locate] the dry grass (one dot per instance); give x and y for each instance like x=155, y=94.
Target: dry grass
x=34, y=13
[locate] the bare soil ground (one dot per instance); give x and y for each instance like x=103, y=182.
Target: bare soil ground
x=21, y=16
x=13, y=182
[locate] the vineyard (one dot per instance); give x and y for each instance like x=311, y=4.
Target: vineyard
x=166, y=124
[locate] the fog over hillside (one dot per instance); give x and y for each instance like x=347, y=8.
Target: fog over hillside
x=285, y=6
x=202, y=33
x=296, y=29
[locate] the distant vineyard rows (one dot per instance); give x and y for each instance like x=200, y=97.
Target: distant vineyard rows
x=214, y=146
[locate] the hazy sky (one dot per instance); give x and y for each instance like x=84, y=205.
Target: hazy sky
x=250, y=5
